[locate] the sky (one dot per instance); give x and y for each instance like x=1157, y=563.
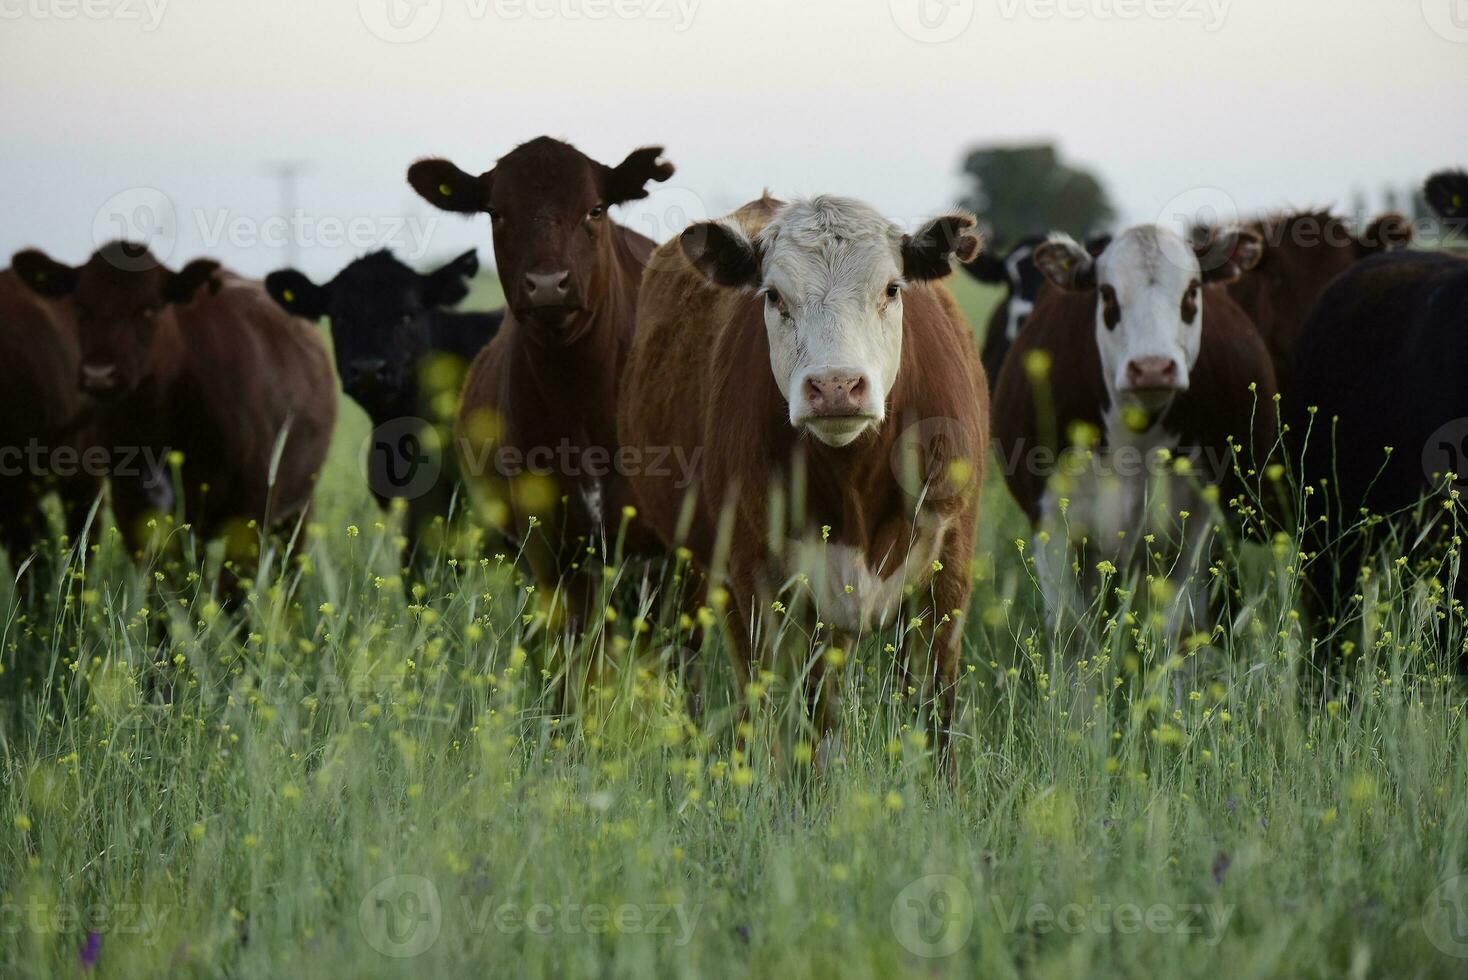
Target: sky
x=169, y=120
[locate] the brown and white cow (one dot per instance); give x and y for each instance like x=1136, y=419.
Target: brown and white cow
x=40, y=415
x=201, y=363
x=1130, y=360
x=538, y=420
x=1303, y=253
x=833, y=392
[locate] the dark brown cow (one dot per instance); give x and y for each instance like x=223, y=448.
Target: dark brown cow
x=201, y=363
x=40, y=412
x=840, y=412
x=537, y=424
x=1303, y=253
x=1130, y=360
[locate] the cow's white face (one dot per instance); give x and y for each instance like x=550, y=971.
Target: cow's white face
x=1149, y=307
x=830, y=272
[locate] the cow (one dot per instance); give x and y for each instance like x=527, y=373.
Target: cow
x=1303, y=252
x=1022, y=281
x=1447, y=195
x=805, y=353
x=401, y=354
x=196, y=370
x=41, y=416
x=1120, y=406
x=1381, y=421
x=537, y=422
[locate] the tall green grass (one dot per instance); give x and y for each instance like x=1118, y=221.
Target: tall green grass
x=364, y=773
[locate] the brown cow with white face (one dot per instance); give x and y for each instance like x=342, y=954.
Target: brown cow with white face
x=537, y=424
x=202, y=363
x=833, y=392
x=1131, y=360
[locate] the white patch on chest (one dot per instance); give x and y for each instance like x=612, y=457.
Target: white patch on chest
x=591, y=499
x=855, y=595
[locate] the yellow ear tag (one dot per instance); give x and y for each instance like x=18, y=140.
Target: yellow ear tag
x=40, y=277
x=289, y=295
x=1457, y=200
x=445, y=190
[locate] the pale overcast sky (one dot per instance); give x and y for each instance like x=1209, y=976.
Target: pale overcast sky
x=168, y=115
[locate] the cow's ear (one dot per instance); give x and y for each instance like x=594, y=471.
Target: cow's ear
x=926, y=253
x=445, y=186
x=626, y=181
x=723, y=253
x=1230, y=254
x=988, y=267
x=1066, y=264
x=298, y=295
x=1097, y=244
x=1447, y=194
x=447, y=286
x=1387, y=232
x=181, y=286
x=43, y=274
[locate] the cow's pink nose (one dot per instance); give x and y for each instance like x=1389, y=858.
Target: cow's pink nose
x=836, y=393
x=1152, y=372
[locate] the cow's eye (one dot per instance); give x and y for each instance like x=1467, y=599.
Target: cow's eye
x=894, y=289
x=776, y=301
x=1110, y=308
x=597, y=212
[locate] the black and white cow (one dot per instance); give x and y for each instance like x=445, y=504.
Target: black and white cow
x=1017, y=271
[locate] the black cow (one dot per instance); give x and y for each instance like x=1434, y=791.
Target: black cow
x=1017, y=271
x=402, y=357
x=1382, y=363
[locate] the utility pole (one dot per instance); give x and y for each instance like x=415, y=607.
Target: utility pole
x=287, y=173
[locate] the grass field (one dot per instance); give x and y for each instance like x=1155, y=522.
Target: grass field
x=360, y=775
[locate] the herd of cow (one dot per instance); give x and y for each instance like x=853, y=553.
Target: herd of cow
x=1148, y=390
